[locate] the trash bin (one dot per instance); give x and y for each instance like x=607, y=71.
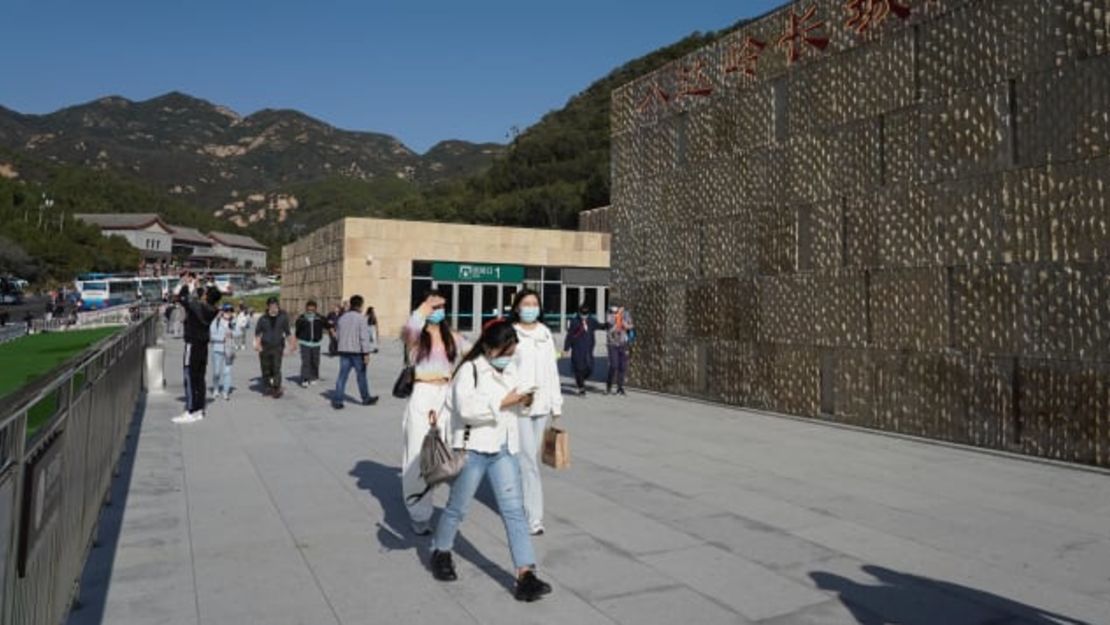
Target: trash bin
x=154, y=377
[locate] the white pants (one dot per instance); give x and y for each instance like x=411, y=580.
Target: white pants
x=531, y=442
x=425, y=398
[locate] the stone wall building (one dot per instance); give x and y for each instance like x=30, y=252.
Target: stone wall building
x=479, y=269
x=891, y=214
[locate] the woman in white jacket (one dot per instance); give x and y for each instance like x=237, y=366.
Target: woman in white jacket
x=481, y=406
x=537, y=370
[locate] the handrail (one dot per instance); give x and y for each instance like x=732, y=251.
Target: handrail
x=58, y=478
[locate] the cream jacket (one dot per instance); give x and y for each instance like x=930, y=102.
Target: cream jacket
x=479, y=406
x=537, y=369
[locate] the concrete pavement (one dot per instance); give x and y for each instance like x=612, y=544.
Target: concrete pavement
x=289, y=512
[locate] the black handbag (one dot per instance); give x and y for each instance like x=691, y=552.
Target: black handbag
x=402, y=388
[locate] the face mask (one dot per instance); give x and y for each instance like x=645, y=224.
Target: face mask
x=437, y=316
x=310, y=316
x=529, y=314
x=500, y=362
x=583, y=314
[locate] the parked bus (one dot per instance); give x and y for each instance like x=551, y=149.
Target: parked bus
x=100, y=290
x=151, y=289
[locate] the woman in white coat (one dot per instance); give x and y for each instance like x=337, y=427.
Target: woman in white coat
x=537, y=369
x=482, y=407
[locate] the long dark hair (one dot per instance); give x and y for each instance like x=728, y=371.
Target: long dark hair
x=425, y=347
x=497, y=335
x=514, y=312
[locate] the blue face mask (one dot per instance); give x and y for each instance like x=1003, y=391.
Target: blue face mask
x=501, y=362
x=310, y=316
x=437, y=316
x=529, y=314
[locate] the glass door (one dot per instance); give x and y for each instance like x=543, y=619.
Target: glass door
x=465, y=310
x=508, y=292
x=487, y=304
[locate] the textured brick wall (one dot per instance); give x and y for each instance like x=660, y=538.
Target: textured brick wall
x=907, y=230
x=312, y=268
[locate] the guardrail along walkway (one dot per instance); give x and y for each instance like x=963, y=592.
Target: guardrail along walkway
x=284, y=512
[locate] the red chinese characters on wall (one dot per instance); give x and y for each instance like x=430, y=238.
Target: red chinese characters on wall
x=693, y=81
x=863, y=15
x=801, y=31
x=655, y=97
x=744, y=58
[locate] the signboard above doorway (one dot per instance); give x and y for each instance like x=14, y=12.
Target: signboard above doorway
x=477, y=272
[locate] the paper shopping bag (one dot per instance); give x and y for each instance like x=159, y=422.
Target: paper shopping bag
x=556, y=448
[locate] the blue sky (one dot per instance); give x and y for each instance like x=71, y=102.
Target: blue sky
x=421, y=70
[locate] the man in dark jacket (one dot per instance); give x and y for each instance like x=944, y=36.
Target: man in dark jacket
x=310, y=330
x=200, y=310
x=270, y=335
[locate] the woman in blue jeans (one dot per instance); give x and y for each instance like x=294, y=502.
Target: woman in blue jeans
x=484, y=427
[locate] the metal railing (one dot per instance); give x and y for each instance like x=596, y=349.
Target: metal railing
x=12, y=332
x=60, y=443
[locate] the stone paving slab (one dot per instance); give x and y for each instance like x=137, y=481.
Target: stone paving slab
x=289, y=512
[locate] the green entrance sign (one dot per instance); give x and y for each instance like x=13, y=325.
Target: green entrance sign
x=473, y=272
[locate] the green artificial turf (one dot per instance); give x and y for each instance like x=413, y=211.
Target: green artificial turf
x=25, y=360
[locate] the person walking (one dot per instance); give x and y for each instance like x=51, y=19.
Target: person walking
x=580, y=342
x=537, y=368
x=432, y=349
x=223, y=351
x=353, y=337
x=270, y=336
x=481, y=405
x=372, y=323
x=621, y=329
x=310, y=333
x=333, y=330
x=199, y=306
x=242, y=326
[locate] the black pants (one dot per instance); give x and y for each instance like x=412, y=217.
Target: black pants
x=310, y=363
x=270, y=359
x=196, y=367
x=333, y=345
x=580, y=377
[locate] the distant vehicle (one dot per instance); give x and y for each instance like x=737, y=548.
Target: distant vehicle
x=11, y=290
x=228, y=284
x=100, y=290
x=151, y=289
x=273, y=279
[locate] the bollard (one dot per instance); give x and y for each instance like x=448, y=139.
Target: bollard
x=154, y=379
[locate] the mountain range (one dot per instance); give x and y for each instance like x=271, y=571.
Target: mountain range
x=244, y=169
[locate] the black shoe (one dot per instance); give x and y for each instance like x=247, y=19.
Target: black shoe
x=443, y=568
x=337, y=405
x=530, y=588
x=370, y=402
x=620, y=391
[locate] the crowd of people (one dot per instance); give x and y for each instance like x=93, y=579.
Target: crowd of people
x=490, y=400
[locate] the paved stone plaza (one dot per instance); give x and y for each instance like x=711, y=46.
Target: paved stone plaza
x=288, y=512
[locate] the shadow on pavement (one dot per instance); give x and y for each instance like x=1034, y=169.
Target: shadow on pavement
x=89, y=605
x=905, y=598
x=394, y=532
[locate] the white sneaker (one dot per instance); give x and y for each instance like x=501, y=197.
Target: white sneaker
x=189, y=417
